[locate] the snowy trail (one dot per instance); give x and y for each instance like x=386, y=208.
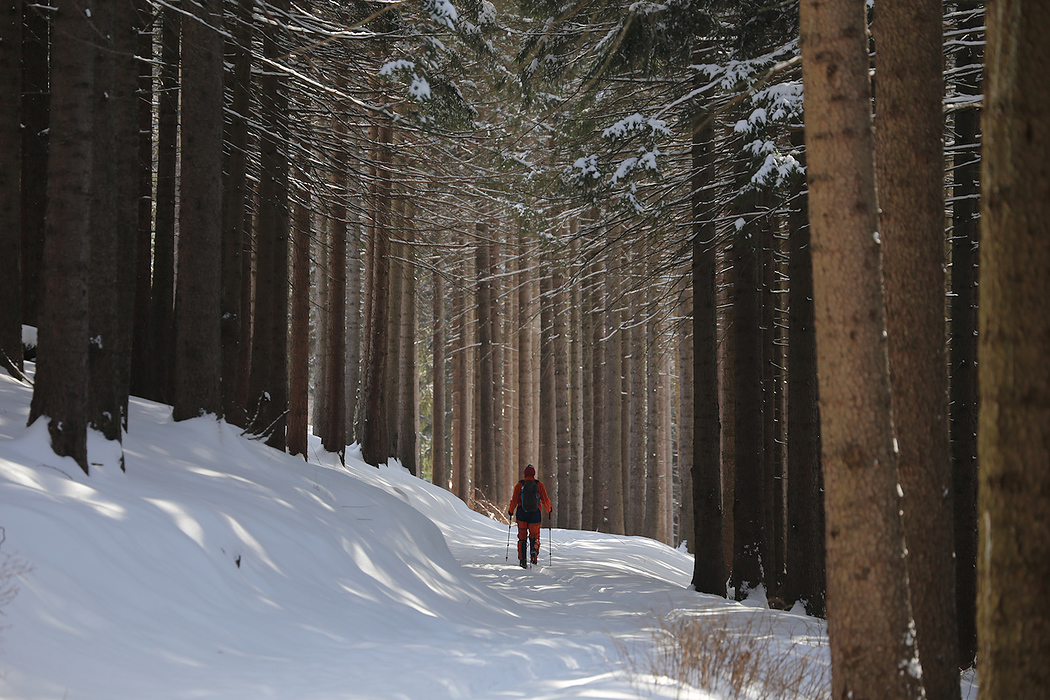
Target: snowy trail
x=218, y=568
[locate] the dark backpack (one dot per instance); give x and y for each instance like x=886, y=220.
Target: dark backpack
x=530, y=496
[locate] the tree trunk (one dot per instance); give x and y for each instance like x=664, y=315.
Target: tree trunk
x=36, y=100
x=562, y=396
x=750, y=554
x=576, y=414
x=60, y=390
x=909, y=162
x=963, y=351
x=198, y=345
x=709, y=573
x=640, y=375
x=333, y=432
x=235, y=188
x=139, y=377
x=408, y=405
x=114, y=218
x=299, y=345
x=547, y=469
x=439, y=460
x=1014, y=426
x=10, y=199
x=353, y=331
x=612, y=427
x=375, y=440
x=526, y=435
x=486, y=486
x=805, y=521
x=462, y=396
x=162, y=296
x=686, y=409
x=872, y=644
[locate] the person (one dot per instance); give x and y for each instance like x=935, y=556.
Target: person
x=527, y=506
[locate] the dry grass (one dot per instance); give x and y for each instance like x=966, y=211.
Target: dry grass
x=735, y=656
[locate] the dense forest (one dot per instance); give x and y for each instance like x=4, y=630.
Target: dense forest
x=609, y=239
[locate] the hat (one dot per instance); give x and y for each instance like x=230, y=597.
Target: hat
x=529, y=471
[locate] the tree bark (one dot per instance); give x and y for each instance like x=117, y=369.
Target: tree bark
x=161, y=348
x=234, y=204
x=562, y=396
x=869, y=617
x=36, y=100
x=1013, y=566
x=114, y=217
x=909, y=158
x=709, y=573
x=10, y=198
x=60, y=390
x=486, y=486
x=198, y=345
x=439, y=459
x=963, y=351
x=299, y=345
x=805, y=521
x=547, y=469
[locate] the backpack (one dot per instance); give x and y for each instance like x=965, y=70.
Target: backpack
x=530, y=496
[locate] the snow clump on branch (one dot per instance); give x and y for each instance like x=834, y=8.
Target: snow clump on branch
x=442, y=12
x=636, y=122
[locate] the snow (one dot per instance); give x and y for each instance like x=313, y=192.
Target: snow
x=217, y=567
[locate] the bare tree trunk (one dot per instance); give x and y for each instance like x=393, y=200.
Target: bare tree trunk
x=408, y=405
x=612, y=427
x=576, y=414
x=34, y=120
x=561, y=395
x=10, y=180
x=162, y=297
x=547, y=469
x=375, y=441
x=60, y=390
x=269, y=373
x=640, y=376
x=439, y=459
x=354, y=334
x=909, y=161
x=235, y=191
x=686, y=413
x=1014, y=342
x=198, y=345
x=869, y=614
x=805, y=538
x=526, y=435
x=963, y=382
x=462, y=395
x=114, y=218
x=594, y=398
x=486, y=486
x=299, y=347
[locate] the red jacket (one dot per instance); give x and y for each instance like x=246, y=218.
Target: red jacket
x=515, y=500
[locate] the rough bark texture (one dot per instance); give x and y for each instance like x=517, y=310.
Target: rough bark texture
x=562, y=382
x=299, y=342
x=547, y=469
x=1013, y=565
x=161, y=344
x=872, y=647
x=909, y=158
x=806, y=580
x=750, y=554
x=198, y=349
x=10, y=176
x=439, y=460
x=114, y=217
x=486, y=485
x=709, y=571
x=60, y=390
x=34, y=119
x=966, y=175
x=234, y=201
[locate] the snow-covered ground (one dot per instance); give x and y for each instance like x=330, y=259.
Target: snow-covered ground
x=216, y=567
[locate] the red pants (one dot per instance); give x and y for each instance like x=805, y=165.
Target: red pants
x=528, y=530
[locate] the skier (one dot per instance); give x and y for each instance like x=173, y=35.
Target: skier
x=527, y=506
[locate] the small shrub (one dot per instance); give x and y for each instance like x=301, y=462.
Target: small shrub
x=735, y=656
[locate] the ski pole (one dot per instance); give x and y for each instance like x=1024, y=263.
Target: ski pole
x=550, y=538
x=509, y=526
